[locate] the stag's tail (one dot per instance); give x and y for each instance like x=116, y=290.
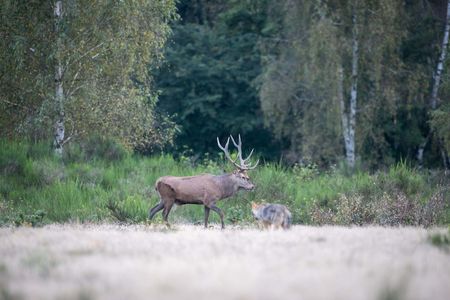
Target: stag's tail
x=159, y=188
x=164, y=189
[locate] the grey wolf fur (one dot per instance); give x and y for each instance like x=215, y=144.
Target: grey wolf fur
x=270, y=215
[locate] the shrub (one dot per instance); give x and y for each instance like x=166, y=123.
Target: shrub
x=321, y=215
x=433, y=209
x=132, y=209
x=353, y=209
x=44, y=172
x=86, y=175
x=95, y=148
x=235, y=214
x=396, y=209
x=13, y=158
x=441, y=240
x=35, y=219
x=106, y=149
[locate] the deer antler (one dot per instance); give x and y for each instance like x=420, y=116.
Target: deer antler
x=243, y=163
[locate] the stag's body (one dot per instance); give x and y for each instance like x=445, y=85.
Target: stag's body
x=205, y=189
x=202, y=189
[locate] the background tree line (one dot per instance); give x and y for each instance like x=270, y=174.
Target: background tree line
x=282, y=74
x=308, y=81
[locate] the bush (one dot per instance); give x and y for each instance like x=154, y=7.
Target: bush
x=95, y=148
x=441, y=240
x=235, y=214
x=46, y=171
x=13, y=158
x=354, y=209
x=130, y=210
x=396, y=209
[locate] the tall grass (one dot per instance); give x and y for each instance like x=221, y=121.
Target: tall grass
x=105, y=183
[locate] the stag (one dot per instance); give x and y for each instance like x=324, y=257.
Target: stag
x=205, y=189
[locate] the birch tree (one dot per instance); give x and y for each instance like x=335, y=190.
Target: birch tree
x=75, y=68
x=59, y=90
x=433, y=103
x=334, y=77
x=348, y=115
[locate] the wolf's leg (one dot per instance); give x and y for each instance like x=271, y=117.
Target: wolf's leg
x=207, y=209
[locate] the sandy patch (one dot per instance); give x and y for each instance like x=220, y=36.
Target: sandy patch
x=189, y=262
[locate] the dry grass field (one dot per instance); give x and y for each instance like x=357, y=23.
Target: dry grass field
x=189, y=262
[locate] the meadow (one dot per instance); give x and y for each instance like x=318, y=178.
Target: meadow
x=100, y=181
x=107, y=261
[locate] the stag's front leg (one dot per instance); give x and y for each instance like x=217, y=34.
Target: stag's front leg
x=207, y=209
x=166, y=212
x=219, y=211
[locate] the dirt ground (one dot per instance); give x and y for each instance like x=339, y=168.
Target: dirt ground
x=189, y=262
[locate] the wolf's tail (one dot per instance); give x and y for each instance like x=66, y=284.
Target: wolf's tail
x=287, y=221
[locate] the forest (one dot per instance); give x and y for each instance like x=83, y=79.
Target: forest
x=362, y=83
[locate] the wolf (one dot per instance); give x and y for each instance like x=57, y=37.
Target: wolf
x=273, y=216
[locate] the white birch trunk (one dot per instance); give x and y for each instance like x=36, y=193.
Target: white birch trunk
x=440, y=65
x=344, y=114
x=348, y=118
x=353, y=92
x=436, y=84
x=59, y=90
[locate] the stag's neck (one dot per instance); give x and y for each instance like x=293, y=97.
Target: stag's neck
x=227, y=184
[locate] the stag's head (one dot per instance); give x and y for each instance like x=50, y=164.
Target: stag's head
x=239, y=175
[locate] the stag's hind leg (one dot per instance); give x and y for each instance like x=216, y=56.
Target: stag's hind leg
x=219, y=211
x=166, y=212
x=155, y=209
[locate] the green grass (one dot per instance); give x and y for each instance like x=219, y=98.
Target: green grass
x=104, y=182
x=441, y=240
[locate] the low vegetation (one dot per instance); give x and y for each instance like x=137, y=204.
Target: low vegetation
x=441, y=240
x=99, y=181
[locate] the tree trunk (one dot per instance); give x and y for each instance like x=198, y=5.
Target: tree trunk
x=348, y=118
x=436, y=83
x=344, y=116
x=353, y=92
x=59, y=90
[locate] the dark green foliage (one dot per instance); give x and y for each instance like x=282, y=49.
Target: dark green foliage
x=35, y=219
x=235, y=214
x=441, y=240
x=286, y=55
x=95, y=147
x=103, y=50
x=125, y=212
x=13, y=158
x=207, y=82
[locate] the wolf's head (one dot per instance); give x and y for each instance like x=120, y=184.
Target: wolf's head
x=256, y=210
